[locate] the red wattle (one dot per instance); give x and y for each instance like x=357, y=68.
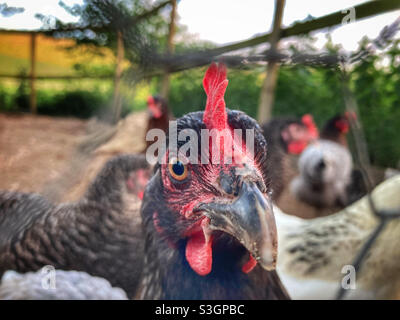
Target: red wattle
x=249, y=265
x=199, y=253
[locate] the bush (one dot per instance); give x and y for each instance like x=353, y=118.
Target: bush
x=186, y=92
x=81, y=104
x=378, y=94
x=317, y=91
x=303, y=90
x=22, y=97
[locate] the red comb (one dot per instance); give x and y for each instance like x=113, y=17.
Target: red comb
x=150, y=99
x=308, y=120
x=350, y=115
x=215, y=84
x=342, y=125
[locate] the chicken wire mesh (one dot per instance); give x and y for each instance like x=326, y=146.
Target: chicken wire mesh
x=154, y=64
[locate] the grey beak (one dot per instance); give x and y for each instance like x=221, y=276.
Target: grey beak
x=250, y=220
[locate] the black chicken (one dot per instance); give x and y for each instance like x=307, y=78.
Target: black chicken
x=337, y=128
x=100, y=234
x=286, y=137
x=291, y=135
x=206, y=231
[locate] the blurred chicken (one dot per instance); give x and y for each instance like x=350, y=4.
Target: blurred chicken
x=286, y=138
x=336, y=129
x=325, y=174
x=68, y=285
x=291, y=135
x=327, y=178
x=312, y=253
x=159, y=116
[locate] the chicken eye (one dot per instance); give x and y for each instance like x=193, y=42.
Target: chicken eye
x=177, y=170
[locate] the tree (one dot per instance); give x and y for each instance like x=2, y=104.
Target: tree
x=117, y=25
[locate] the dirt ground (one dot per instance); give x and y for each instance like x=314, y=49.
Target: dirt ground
x=58, y=157
x=35, y=149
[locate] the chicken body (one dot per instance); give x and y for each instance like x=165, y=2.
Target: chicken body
x=100, y=234
x=313, y=253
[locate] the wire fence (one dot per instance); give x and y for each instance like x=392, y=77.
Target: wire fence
x=342, y=63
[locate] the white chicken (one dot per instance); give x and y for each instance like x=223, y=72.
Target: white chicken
x=325, y=174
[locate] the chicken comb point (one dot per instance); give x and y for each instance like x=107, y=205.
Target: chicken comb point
x=215, y=83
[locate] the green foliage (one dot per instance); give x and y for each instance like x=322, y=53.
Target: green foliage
x=299, y=90
x=377, y=89
x=317, y=91
x=303, y=90
x=100, y=19
x=79, y=103
x=243, y=91
x=4, y=100
x=94, y=69
x=186, y=92
x=22, y=95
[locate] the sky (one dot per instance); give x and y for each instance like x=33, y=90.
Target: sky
x=225, y=21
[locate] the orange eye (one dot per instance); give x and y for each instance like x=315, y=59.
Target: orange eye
x=177, y=169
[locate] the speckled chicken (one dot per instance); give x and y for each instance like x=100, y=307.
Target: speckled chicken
x=100, y=234
x=312, y=253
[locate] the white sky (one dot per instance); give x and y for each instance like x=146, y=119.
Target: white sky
x=223, y=21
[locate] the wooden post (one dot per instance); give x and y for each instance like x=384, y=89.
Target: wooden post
x=164, y=92
x=32, y=74
x=117, y=101
x=268, y=89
